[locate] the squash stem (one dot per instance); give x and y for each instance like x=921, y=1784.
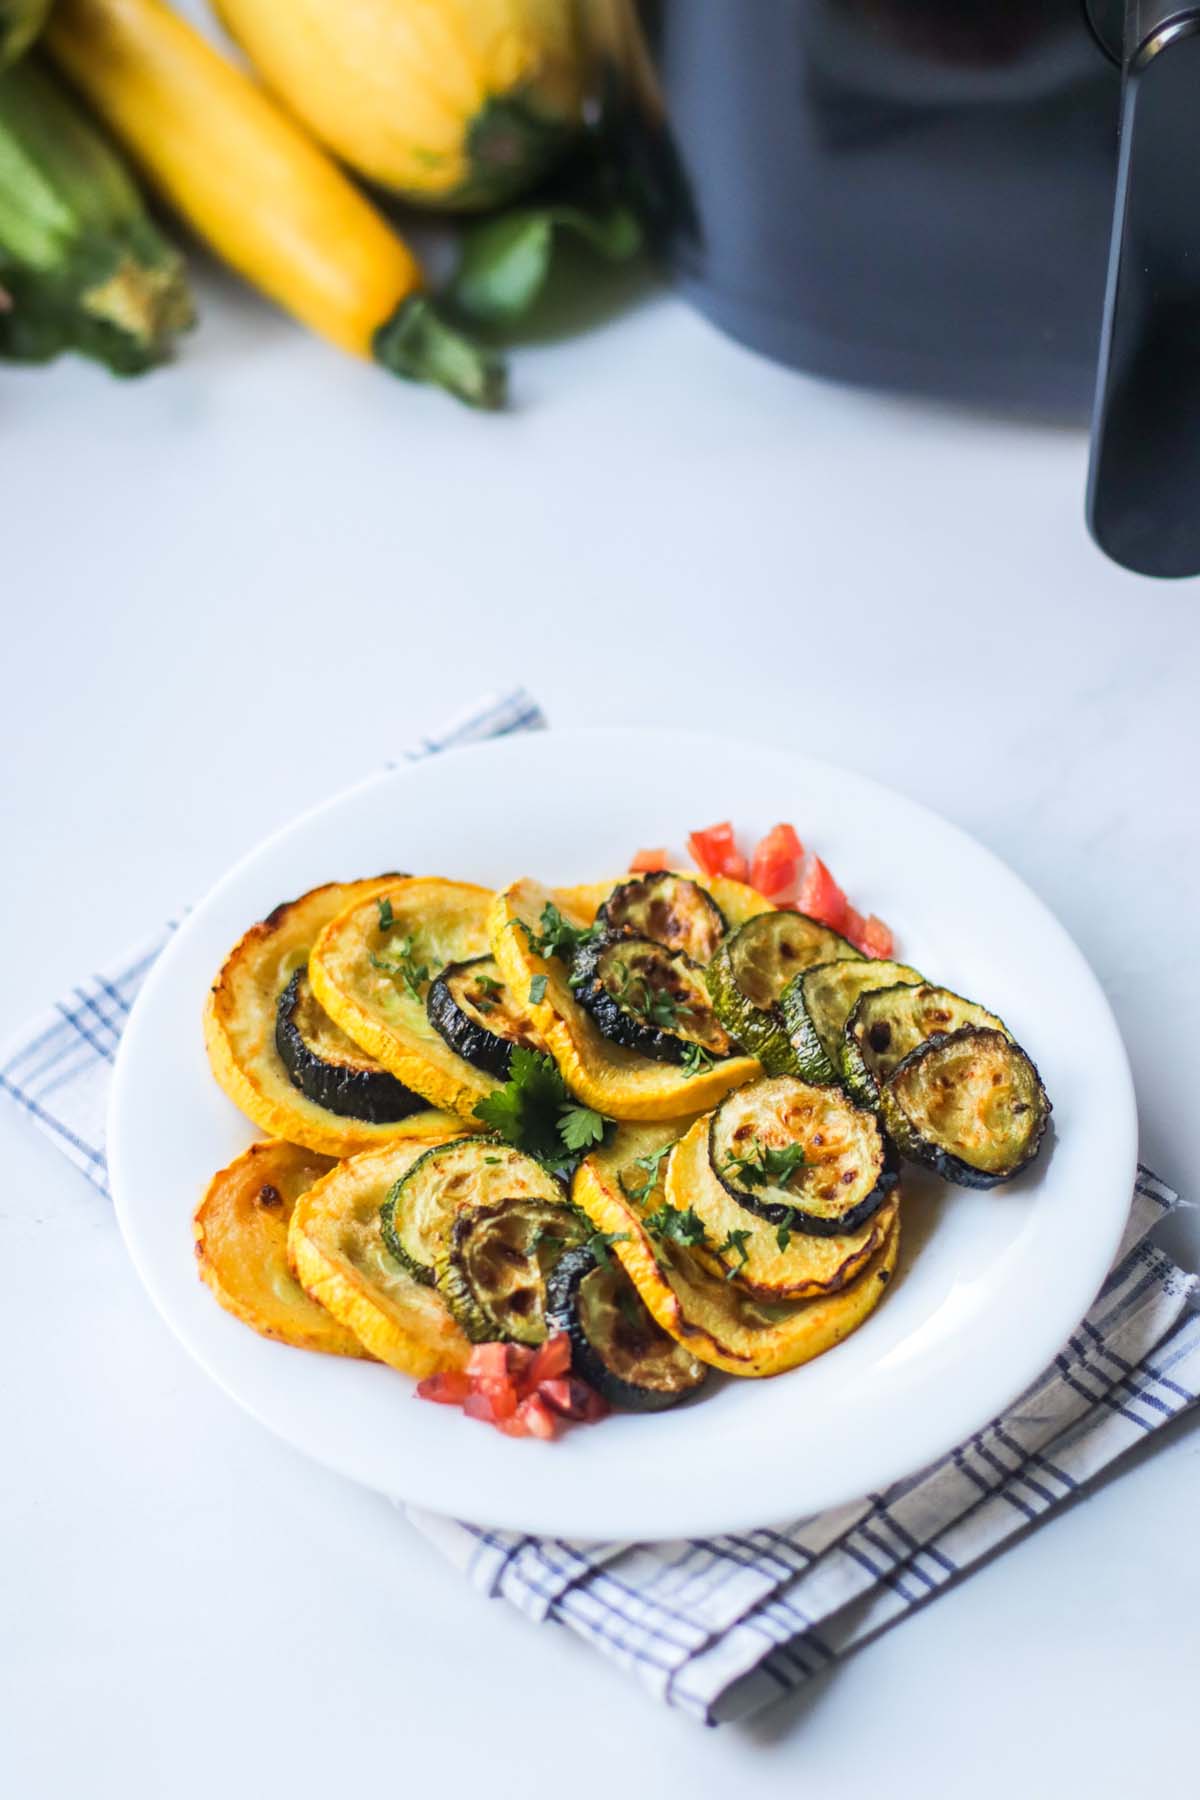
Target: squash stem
x=417, y=342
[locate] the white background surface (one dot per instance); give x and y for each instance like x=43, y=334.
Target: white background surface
x=238, y=585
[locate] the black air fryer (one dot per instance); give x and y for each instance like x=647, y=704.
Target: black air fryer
x=993, y=201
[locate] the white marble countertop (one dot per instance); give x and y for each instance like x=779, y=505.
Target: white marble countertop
x=236, y=586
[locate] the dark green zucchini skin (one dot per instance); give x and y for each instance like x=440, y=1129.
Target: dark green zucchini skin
x=352, y=1093
x=668, y=908
x=919, y=1145
x=629, y=1029
x=797, y=1218
x=681, y=1374
x=483, y=1049
x=457, y=1273
x=815, y=1041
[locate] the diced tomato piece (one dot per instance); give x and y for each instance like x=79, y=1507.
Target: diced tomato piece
x=714, y=851
x=536, y=1417
x=877, y=938
x=553, y=1358
x=488, y=1362
x=514, y=1427
x=819, y=895
x=449, y=1388
x=853, y=926
x=478, y=1406
x=573, y=1399
x=644, y=862
x=776, y=863
x=502, y=1397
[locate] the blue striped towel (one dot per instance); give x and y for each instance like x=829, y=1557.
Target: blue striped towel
x=720, y=1626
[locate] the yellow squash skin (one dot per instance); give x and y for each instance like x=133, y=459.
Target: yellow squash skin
x=716, y=1319
x=340, y=1259
x=248, y=179
x=401, y=89
x=617, y=1082
x=241, y=1233
x=239, y=1027
x=448, y=922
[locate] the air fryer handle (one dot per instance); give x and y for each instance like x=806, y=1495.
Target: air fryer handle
x=1144, y=483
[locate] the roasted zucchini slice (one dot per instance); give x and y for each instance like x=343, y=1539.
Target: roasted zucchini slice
x=469, y=1007
x=971, y=1106
x=669, y=909
x=717, y=1320
x=371, y=969
x=801, y=1156
x=241, y=1233
x=648, y=998
x=467, y=1172
x=815, y=1007
x=620, y=1083
x=493, y=1273
x=887, y=1023
x=776, y=1260
x=340, y=1259
x=324, y=1064
x=616, y=1345
x=240, y=1020
x=751, y=969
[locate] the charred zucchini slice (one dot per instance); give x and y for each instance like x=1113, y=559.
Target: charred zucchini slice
x=493, y=1274
x=648, y=998
x=419, y=1213
x=816, y=1005
x=751, y=969
x=887, y=1023
x=971, y=1106
x=615, y=1344
x=802, y=1156
x=668, y=909
x=323, y=1063
x=469, y=1007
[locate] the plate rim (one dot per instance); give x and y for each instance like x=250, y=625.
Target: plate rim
x=928, y=1446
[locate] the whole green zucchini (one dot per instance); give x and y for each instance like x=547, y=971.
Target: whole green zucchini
x=20, y=22
x=81, y=265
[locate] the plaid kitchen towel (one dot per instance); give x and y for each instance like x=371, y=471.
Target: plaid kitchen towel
x=720, y=1626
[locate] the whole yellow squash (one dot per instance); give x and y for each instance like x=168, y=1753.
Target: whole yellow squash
x=449, y=103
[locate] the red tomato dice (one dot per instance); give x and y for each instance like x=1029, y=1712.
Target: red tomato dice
x=478, y=1406
x=819, y=895
x=488, y=1362
x=776, y=864
x=449, y=1388
x=552, y=1359
x=644, y=862
x=877, y=938
x=536, y=1417
x=714, y=851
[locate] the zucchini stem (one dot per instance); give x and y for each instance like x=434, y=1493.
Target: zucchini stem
x=417, y=343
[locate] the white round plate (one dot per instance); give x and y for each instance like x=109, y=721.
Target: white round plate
x=990, y=1284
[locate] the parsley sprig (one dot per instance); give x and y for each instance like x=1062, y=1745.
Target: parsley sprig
x=558, y=937
x=404, y=964
x=601, y=1242
x=735, y=1245
x=534, y=1112
x=767, y=1166
x=650, y=1165
x=677, y=1226
x=696, y=1059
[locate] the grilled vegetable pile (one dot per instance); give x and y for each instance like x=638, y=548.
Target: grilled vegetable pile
x=462, y=105
x=555, y=1151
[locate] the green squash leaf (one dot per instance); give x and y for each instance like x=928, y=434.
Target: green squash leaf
x=506, y=260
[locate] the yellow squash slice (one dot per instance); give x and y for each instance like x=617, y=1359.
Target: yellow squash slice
x=239, y=1024
x=382, y=1008
x=795, y=1270
x=341, y=1260
x=617, y=1082
x=241, y=1232
x=717, y=1320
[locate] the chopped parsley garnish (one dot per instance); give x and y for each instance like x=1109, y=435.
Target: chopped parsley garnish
x=579, y=1126
x=486, y=995
x=600, y=1244
x=679, y=1227
x=386, y=917
x=558, y=937
x=537, y=990
x=783, y=1235
x=534, y=1112
x=696, y=1060
x=736, y=1243
x=412, y=973
x=650, y=1165
x=766, y=1166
